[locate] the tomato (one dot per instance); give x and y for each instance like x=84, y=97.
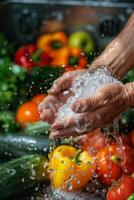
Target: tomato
x=125, y=140
x=109, y=168
x=131, y=136
x=93, y=142
x=38, y=98
x=27, y=113
x=122, y=189
x=126, y=154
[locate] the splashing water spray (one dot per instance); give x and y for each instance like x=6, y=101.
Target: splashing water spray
x=84, y=86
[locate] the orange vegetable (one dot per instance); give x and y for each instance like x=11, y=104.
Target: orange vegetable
x=38, y=98
x=71, y=58
x=60, y=58
x=52, y=42
x=27, y=113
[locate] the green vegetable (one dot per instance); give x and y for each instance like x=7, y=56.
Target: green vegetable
x=13, y=145
x=41, y=79
x=126, y=122
x=83, y=40
x=6, y=48
x=7, y=122
x=131, y=197
x=129, y=77
x=37, y=128
x=20, y=174
x=16, y=145
x=11, y=76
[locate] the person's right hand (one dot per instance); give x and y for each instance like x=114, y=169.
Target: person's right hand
x=58, y=95
x=95, y=111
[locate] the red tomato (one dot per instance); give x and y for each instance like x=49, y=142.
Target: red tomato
x=27, y=113
x=126, y=154
x=131, y=136
x=125, y=140
x=109, y=168
x=122, y=189
x=38, y=98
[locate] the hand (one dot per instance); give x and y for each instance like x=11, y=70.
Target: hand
x=56, y=98
x=96, y=111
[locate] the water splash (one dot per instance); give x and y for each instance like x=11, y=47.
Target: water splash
x=85, y=86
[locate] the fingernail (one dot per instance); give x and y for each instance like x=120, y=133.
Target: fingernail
x=50, y=91
x=41, y=116
x=39, y=107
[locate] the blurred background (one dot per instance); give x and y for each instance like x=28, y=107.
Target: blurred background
x=39, y=41
x=24, y=20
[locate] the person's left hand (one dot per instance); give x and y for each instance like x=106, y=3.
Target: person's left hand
x=96, y=111
x=57, y=95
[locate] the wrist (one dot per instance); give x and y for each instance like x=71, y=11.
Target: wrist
x=130, y=93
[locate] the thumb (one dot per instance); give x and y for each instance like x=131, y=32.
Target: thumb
x=87, y=104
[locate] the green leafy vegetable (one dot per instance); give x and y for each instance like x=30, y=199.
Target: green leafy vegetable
x=41, y=79
x=7, y=122
x=11, y=76
x=6, y=48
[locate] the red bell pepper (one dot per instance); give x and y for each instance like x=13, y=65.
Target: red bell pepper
x=122, y=189
x=29, y=56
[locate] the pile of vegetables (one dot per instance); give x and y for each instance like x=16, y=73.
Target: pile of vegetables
x=26, y=73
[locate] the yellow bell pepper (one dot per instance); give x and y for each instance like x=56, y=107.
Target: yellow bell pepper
x=70, y=169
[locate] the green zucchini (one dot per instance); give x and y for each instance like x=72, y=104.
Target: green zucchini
x=15, y=145
x=37, y=128
x=20, y=174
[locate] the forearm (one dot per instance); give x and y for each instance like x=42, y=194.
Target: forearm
x=119, y=54
x=130, y=92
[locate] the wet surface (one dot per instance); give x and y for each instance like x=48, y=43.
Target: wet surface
x=93, y=191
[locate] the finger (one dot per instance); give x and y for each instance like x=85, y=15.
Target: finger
x=47, y=115
x=63, y=133
x=43, y=104
x=75, y=128
x=49, y=102
x=63, y=96
x=88, y=104
x=81, y=122
x=63, y=123
x=63, y=82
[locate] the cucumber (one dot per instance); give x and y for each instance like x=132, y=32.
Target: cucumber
x=15, y=145
x=37, y=128
x=20, y=174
